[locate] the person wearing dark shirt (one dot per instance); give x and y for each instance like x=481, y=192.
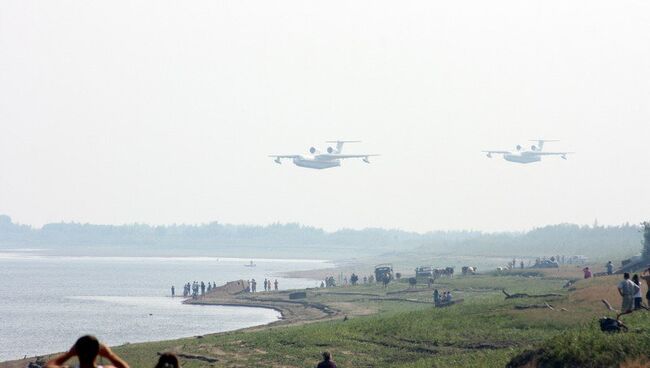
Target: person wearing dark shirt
x=168, y=360
x=327, y=361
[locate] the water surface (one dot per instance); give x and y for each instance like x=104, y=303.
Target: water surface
x=46, y=301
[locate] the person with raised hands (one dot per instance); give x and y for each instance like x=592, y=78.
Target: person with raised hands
x=87, y=349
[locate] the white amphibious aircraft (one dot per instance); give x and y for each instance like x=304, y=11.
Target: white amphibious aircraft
x=523, y=156
x=318, y=160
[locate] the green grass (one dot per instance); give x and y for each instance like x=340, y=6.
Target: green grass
x=483, y=331
x=587, y=346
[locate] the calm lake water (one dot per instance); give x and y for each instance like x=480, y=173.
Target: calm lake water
x=47, y=302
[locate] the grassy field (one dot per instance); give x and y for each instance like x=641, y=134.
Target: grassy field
x=483, y=331
x=398, y=327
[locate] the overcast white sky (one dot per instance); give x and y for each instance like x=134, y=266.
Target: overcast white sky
x=163, y=112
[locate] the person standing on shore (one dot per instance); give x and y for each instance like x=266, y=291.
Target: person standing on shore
x=87, y=349
x=173, y=291
x=276, y=284
x=646, y=277
x=610, y=268
x=638, y=298
x=627, y=289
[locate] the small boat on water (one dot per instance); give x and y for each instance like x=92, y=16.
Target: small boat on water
x=250, y=264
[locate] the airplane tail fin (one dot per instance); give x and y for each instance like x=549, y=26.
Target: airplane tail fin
x=339, y=146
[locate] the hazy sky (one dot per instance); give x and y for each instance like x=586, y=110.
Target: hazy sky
x=164, y=112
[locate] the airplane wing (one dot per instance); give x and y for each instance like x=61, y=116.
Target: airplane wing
x=561, y=154
x=284, y=156
x=335, y=156
x=504, y=152
x=278, y=158
x=553, y=153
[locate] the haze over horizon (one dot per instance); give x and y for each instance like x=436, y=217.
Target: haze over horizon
x=515, y=231
x=161, y=113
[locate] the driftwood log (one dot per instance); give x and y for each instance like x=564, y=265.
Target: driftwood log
x=609, y=306
x=523, y=295
x=539, y=306
x=531, y=306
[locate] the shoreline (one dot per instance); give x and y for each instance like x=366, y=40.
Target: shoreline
x=23, y=362
x=291, y=313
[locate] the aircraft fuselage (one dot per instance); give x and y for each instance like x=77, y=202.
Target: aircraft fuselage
x=315, y=164
x=522, y=158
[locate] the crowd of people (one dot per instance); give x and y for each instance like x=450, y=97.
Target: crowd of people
x=354, y=279
x=87, y=349
x=268, y=285
x=195, y=288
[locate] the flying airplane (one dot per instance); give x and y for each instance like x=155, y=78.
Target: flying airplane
x=524, y=156
x=318, y=160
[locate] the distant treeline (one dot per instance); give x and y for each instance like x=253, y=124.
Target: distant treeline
x=617, y=242
x=212, y=238
x=305, y=241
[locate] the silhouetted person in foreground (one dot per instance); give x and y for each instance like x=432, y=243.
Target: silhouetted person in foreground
x=87, y=349
x=327, y=361
x=167, y=360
